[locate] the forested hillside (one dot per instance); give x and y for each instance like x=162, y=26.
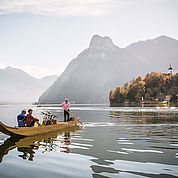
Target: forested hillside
x=153, y=86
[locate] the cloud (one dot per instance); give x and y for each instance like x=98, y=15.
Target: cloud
x=2, y=66
x=35, y=71
x=39, y=72
x=63, y=7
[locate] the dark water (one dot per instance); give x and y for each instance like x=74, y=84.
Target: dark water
x=116, y=142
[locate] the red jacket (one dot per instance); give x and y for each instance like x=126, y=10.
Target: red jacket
x=29, y=119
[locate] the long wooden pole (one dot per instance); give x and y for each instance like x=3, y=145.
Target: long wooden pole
x=74, y=116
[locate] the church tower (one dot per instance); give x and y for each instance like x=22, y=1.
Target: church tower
x=170, y=70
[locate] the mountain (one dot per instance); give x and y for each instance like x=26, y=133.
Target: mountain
x=103, y=66
x=48, y=80
x=157, y=53
x=19, y=87
x=89, y=77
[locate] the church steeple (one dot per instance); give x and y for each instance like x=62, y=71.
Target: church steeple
x=170, y=70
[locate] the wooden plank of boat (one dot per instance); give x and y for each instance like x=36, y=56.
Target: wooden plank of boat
x=31, y=131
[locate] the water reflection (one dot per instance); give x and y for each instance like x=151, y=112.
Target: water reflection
x=116, y=142
x=148, y=126
x=145, y=117
x=26, y=146
x=28, y=153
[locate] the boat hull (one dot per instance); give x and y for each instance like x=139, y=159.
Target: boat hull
x=27, y=142
x=32, y=131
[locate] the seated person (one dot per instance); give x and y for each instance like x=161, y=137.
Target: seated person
x=21, y=119
x=30, y=120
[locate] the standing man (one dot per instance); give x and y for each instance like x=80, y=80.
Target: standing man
x=30, y=120
x=66, y=106
x=21, y=119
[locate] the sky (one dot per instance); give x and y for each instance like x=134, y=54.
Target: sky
x=41, y=37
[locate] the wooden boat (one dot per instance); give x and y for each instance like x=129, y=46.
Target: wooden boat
x=31, y=131
x=33, y=141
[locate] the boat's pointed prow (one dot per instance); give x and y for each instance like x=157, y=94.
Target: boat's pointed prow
x=6, y=130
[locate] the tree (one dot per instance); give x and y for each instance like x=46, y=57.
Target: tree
x=173, y=99
x=154, y=85
x=147, y=96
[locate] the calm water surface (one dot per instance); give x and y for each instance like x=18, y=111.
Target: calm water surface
x=116, y=142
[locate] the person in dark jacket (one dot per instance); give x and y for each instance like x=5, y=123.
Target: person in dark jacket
x=21, y=119
x=30, y=120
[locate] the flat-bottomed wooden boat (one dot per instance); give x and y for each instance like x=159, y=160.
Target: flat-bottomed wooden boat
x=33, y=141
x=31, y=131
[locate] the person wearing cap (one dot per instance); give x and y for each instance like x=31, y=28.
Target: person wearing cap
x=66, y=106
x=21, y=119
x=30, y=120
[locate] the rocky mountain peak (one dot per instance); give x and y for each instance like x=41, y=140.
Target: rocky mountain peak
x=101, y=42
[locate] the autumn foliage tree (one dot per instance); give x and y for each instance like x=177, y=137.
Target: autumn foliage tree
x=154, y=85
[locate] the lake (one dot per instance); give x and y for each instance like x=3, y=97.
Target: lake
x=115, y=142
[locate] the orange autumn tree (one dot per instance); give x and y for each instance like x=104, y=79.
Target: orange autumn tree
x=154, y=85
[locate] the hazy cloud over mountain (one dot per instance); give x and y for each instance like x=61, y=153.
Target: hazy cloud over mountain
x=64, y=8
x=35, y=71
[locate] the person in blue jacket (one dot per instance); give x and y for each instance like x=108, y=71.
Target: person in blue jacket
x=21, y=119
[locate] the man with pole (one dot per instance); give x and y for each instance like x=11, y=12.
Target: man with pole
x=66, y=106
